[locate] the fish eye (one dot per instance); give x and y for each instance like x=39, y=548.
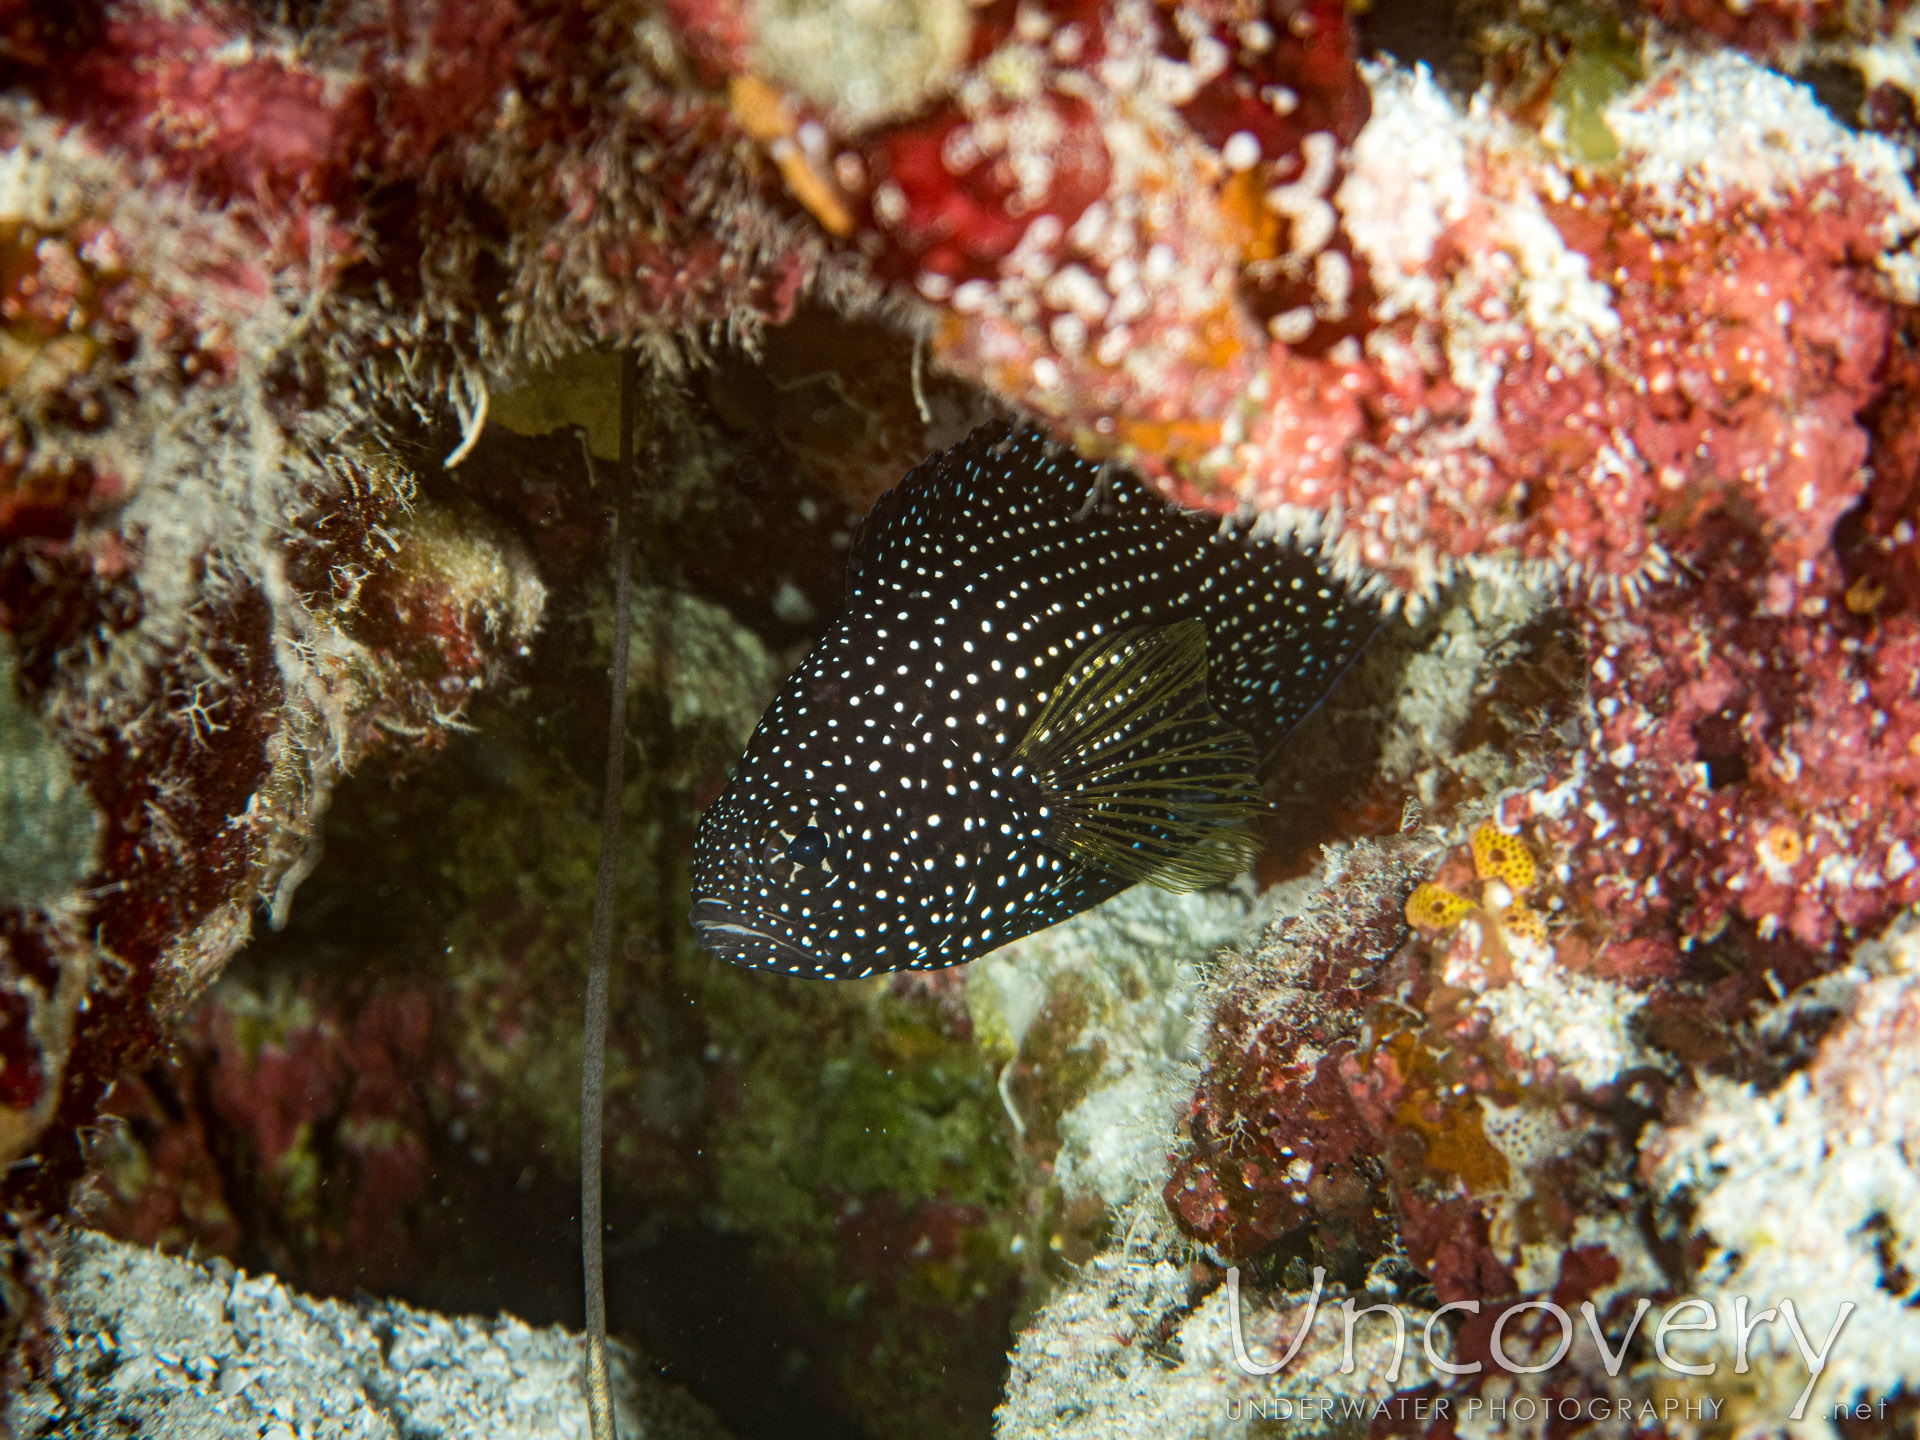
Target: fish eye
x=801, y=840
x=809, y=847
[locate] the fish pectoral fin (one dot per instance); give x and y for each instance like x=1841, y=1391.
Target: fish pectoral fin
x=1139, y=777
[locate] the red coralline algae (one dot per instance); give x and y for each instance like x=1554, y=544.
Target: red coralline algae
x=1114, y=205
x=1760, y=768
x=1762, y=29
x=1671, y=369
x=241, y=115
x=396, y=147
x=1276, y=1138
x=220, y=243
x=1752, y=347
x=218, y=104
x=1314, y=1160
x=1877, y=544
x=344, y=1091
x=1777, y=28
x=322, y=1114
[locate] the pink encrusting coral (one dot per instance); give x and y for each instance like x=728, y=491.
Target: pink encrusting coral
x=1531, y=378
x=1759, y=768
x=1120, y=207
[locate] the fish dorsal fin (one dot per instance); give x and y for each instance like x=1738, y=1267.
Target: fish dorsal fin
x=990, y=498
x=1011, y=532
x=1138, y=776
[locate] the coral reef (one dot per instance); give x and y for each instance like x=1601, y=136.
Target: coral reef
x=1131, y=1348
x=1160, y=228
x=1740, y=1158
x=1537, y=387
x=1592, y=352
x=213, y=609
x=237, y=258
x=384, y=1091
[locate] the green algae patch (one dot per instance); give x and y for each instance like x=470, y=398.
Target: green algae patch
x=846, y=1088
x=580, y=389
x=1604, y=63
x=864, y=1148
x=49, y=830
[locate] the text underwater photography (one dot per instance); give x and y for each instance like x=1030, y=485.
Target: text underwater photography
x=1392, y=1413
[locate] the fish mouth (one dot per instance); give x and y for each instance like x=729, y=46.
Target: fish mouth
x=733, y=935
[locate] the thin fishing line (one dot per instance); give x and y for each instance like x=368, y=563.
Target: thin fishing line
x=593, y=1056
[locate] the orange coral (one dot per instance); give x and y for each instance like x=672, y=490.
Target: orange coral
x=1450, y=1124
x=1781, y=846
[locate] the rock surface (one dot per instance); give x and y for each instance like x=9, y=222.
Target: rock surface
x=149, y=1345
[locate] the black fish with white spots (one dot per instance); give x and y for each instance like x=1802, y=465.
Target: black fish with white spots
x=1047, y=685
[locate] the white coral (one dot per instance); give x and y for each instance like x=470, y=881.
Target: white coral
x=1811, y=1193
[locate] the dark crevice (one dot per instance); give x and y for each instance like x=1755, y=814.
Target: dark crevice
x=1417, y=32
